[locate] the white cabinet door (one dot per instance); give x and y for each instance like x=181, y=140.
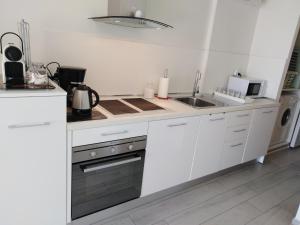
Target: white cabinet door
x=169, y=153
x=33, y=161
x=209, y=145
x=260, y=133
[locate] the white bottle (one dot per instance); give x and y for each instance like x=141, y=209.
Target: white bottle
x=163, y=87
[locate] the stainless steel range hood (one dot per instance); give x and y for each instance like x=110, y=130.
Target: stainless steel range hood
x=129, y=13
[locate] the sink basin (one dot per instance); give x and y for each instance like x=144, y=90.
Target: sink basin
x=195, y=102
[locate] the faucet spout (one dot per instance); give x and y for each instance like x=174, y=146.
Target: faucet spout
x=196, y=83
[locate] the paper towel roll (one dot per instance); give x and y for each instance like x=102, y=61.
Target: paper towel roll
x=163, y=87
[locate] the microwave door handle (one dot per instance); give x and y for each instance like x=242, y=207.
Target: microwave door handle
x=88, y=169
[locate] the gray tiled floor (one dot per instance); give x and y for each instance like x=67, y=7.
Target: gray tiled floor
x=252, y=195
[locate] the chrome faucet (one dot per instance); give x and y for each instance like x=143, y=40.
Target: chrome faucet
x=196, y=84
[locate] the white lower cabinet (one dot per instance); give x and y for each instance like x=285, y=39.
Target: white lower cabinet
x=260, y=133
x=169, y=153
x=219, y=141
x=209, y=146
x=237, y=130
x=33, y=161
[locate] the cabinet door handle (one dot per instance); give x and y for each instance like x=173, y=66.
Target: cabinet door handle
x=218, y=119
x=243, y=115
x=237, y=145
x=239, y=131
x=19, y=126
x=115, y=133
x=268, y=112
x=177, y=125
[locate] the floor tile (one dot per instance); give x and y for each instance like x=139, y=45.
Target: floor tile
x=275, y=216
x=277, y=194
x=239, y=215
x=212, y=207
x=285, y=157
x=292, y=203
x=123, y=221
x=281, y=214
x=162, y=222
x=151, y=214
x=245, y=175
x=269, y=180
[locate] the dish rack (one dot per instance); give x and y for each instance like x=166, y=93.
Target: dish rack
x=245, y=100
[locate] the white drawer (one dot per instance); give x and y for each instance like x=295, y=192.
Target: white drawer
x=232, y=154
x=239, y=118
x=103, y=134
x=32, y=111
x=239, y=133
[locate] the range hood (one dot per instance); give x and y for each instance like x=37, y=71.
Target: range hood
x=129, y=13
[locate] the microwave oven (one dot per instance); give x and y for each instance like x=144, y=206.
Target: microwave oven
x=247, y=86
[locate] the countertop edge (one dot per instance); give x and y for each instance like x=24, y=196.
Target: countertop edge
x=190, y=112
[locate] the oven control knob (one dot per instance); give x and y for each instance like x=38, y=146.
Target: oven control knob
x=93, y=154
x=130, y=147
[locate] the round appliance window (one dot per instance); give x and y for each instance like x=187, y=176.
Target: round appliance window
x=285, y=117
x=14, y=54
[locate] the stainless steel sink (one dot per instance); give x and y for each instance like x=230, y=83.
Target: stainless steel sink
x=195, y=102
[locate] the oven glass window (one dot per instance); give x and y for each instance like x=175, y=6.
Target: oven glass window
x=253, y=89
x=106, y=182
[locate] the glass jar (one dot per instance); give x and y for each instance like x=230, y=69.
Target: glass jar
x=37, y=74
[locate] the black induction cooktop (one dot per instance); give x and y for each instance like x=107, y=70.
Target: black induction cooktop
x=96, y=115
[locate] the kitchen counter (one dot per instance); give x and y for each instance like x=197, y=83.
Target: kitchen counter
x=15, y=93
x=173, y=109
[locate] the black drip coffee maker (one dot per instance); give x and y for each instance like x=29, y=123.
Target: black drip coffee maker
x=69, y=78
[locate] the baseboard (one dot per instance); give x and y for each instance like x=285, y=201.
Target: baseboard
x=278, y=147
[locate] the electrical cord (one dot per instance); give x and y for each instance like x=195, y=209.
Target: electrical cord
x=52, y=76
x=47, y=67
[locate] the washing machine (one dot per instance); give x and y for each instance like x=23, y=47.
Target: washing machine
x=286, y=120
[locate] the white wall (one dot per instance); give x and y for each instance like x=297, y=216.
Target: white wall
x=211, y=35
x=231, y=40
x=119, y=60
x=274, y=39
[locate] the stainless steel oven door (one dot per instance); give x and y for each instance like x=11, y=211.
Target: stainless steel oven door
x=102, y=183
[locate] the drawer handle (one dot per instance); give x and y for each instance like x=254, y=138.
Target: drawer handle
x=218, y=119
x=239, y=131
x=237, y=145
x=268, y=112
x=19, y=126
x=177, y=125
x=115, y=133
x=243, y=115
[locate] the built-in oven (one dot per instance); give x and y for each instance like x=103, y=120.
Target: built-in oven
x=106, y=174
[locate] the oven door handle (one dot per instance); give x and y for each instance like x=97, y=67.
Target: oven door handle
x=89, y=169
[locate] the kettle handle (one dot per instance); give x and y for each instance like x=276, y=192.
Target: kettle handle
x=93, y=92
